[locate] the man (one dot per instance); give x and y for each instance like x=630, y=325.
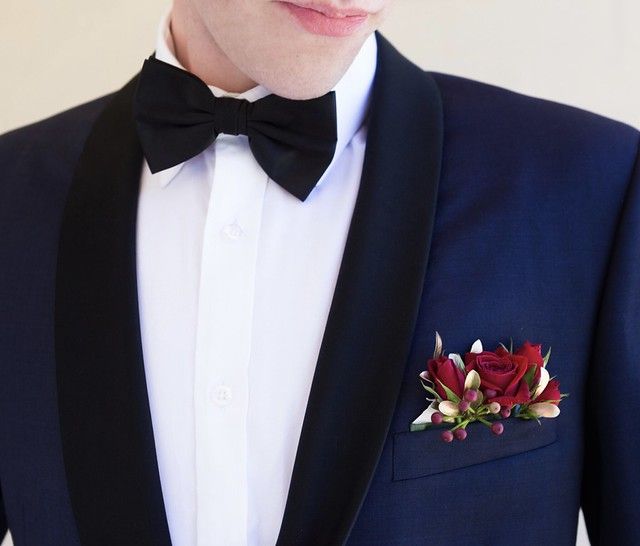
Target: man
x=220, y=283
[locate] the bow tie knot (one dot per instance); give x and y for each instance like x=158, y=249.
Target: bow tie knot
x=178, y=117
x=230, y=116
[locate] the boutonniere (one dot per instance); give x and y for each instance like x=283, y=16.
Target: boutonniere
x=487, y=386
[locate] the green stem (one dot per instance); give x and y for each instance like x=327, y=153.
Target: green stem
x=462, y=424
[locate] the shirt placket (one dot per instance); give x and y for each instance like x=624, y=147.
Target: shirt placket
x=223, y=345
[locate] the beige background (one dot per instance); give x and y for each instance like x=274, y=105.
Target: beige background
x=582, y=52
x=55, y=54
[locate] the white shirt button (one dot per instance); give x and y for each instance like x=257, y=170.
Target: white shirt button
x=232, y=231
x=221, y=395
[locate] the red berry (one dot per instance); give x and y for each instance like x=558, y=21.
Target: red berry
x=436, y=418
x=505, y=412
x=471, y=395
x=497, y=428
x=447, y=436
x=460, y=433
x=463, y=405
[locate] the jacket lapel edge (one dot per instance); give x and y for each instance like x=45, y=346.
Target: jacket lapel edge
x=374, y=310
x=105, y=422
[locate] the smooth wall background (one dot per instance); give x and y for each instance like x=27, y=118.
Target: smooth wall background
x=582, y=52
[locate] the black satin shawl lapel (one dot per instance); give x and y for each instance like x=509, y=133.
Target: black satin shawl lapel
x=107, y=436
x=104, y=413
x=375, y=305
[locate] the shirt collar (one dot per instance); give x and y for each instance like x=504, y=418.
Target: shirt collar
x=352, y=93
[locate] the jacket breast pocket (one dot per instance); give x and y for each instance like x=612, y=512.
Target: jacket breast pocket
x=422, y=453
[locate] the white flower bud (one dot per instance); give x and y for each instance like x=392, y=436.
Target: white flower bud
x=544, y=409
x=472, y=381
x=447, y=407
x=542, y=384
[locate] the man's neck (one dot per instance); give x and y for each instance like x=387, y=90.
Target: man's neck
x=198, y=52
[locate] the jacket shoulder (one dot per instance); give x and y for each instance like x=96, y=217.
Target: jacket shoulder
x=534, y=133
x=50, y=145
x=478, y=101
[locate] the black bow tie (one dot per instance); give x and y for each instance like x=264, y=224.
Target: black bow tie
x=178, y=117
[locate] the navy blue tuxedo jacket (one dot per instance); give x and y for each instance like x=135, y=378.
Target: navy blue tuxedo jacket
x=482, y=213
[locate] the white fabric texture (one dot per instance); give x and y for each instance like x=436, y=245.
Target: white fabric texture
x=235, y=279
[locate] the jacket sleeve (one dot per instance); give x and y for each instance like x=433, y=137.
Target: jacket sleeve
x=611, y=472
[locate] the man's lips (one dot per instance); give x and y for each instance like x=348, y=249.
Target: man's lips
x=331, y=11
x=325, y=19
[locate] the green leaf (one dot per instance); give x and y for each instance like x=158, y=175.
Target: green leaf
x=546, y=358
x=450, y=394
x=528, y=377
x=431, y=391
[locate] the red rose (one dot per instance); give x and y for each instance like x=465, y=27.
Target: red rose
x=533, y=353
x=444, y=369
x=502, y=372
x=550, y=394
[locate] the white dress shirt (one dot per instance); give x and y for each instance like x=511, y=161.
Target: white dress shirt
x=235, y=280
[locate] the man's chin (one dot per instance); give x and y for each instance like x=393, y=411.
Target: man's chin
x=312, y=76
x=302, y=89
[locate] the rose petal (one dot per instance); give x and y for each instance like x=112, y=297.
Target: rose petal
x=499, y=373
x=544, y=409
x=448, y=408
x=522, y=365
x=551, y=393
x=521, y=397
x=533, y=352
x=472, y=381
x=444, y=370
x=476, y=347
